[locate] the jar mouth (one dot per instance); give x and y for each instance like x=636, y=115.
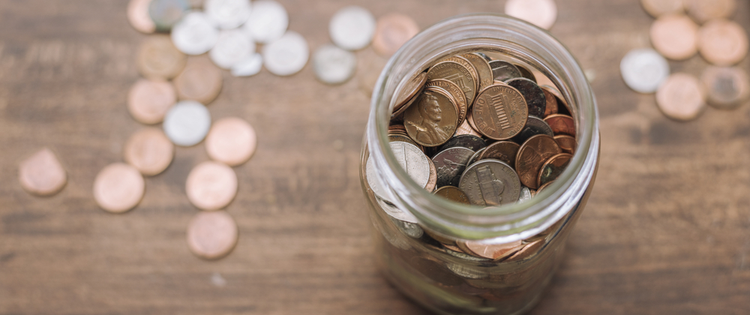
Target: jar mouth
x=523, y=41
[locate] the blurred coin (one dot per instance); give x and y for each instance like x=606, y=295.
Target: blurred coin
x=158, y=58
x=450, y=164
x=504, y=151
x=139, y=17
x=149, y=151
x=552, y=168
x=542, y=13
x=211, y=185
x=704, y=10
x=333, y=65
x=431, y=120
x=231, y=141
x=550, y=107
x=722, y=42
x=187, y=123
x=411, y=229
x=249, y=66
x=118, y=188
x=149, y=100
x=528, y=250
x=41, y=173
x=500, y=112
x=726, y=87
x=409, y=92
x=392, y=31
x=567, y=143
x=432, y=181
x=532, y=93
x=232, y=47
x=268, y=21
x=395, y=212
x=675, y=36
x=644, y=70
x=681, y=97
x=212, y=235
x=490, y=183
x=200, y=81
x=504, y=71
x=561, y=124
x=532, y=155
x=352, y=28
x=195, y=34
x=228, y=14
x=453, y=193
x=492, y=251
x=658, y=8
x=165, y=13
x=286, y=55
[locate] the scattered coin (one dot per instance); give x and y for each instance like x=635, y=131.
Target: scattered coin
x=352, y=28
x=139, y=17
x=149, y=151
x=118, y=188
x=41, y=173
x=232, y=47
x=187, y=123
x=722, y=42
x=268, y=21
x=212, y=235
x=165, y=13
x=726, y=87
x=231, y=141
x=675, y=36
x=286, y=55
x=542, y=13
x=704, y=10
x=532, y=155
x=249, y=66
x=228, y=14
x=333, y=65
x=433, y=117
x=681, y=97
x=158, y=58
x=392, y=31
x=149, y=100
x=500, y=112
x=453, y=193
x=644, y=70
x=658, y=8
x=490, y=183
x=200, y=81
x=195, y=34
x=211, y=185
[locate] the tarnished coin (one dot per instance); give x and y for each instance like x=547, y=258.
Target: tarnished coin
x=658, y=8
x=211, y=185
x=149, y=151
x=542, y=13
x=458, y=71
x=466, y=129
x=484, y=71
x=528, y=250
x=567, y=143
x=286, y=55
x=212, y=235
x=139, y=17
x=195, y=34
x=118, y=188
x=492, y=251
x=231, y=141
x=550, y=108
x=149, y=100
x=408, y=94
x=158, y=58
x=504, y=151
x=561, y=124
x=500, y=112
x=232, y=47
x=490, y=183
x=352, y=28
x=471, y=142
x=553, y=168
x=526, y=73
x=534, y=126
x=333, y=65
x=675, y=36
x=249, y=66
x=453, y=193
x=42, y=174
x=532, y=93
x=503, y=71
x=435, y=271
x=722, y=42
x=228, y=14
x=200, y=81
x=725, y=87
x=704, y=10
x=681, y=97
x=450, y=164
x=457, y=94
x=187, y=123
x=431, y=120
x=532, y=155
x=268, y=21
x=392, y=31
x=644, y=70
x=165, y=13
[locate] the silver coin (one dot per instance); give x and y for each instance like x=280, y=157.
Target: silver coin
x=232, y=47
x=187, y=123
x=352, y=28
x=286, y=55
x=490, y=183
x=268, y=21
x=195, y=34
x=466, y=271
x=450, y=164
x=249, y=66
x=644, y=70
x=525, y=194
x=413, y=161
x=503, y=71
x=476, y=155
x=333, y=65
x=228, y=14
x=395, y=212
x=165, y=13
x=411, y=229
x=373, y=180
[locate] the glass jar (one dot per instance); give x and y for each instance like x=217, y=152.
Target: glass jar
x=413, y=251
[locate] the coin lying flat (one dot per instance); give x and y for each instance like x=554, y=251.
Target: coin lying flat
x=187, y=123
x=681, y=97
x=644, y=70
x=534, y=126
x=453, y=193
x=333, y=65
x=195, y=34
x=450, y=164
x=490, y=183
x=675, y=36
x=722, y=42
x=249, y=66
x=503, y=71
x=542, y=13
x=231, y=141
x=455, y=91
x=268, y=21
x=561, y=124
x=552, y=168
x=232, y=47
x=460, y=72
x=165, y=13
x=149, y=151
x=139, y=17
x=149, y=100
x=431, y=120
x=352, y=28
x=41, y=173
x=484, y=70
x=200, y=81
x=471, y=142
x=118, y=188
x=504, y=151
x=704, y=10
x=726, y=87
x=567, y=143
x=228, y=14
x=658, y=8
x=158, y=58
x=392, y=31
x=532, y=93
x=532, y=155
x=211, y=185
x=212, y=235
x=286, y=55
x=500, y=112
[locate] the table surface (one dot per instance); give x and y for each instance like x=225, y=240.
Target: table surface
x=666, y=231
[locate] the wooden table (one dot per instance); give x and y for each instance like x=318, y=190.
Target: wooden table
x=666, y=231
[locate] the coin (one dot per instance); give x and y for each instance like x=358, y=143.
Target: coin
x=413, y=161
x=408, y=94
x=450, y=164
x=268, y=21
x=567, y=143
x=658, y=8
x=286, y=55
x=492, y=251
x=681, y=97
x=395, y=212
x=149, y=151
x=333, y=65
x=352, y=28
x=41, y=173
x=228, y=14
x=149, y=100
x=187, y=123
x=471, y=142
x=553, y=168
x=158, y=58
x=231, y=141
x=200, y=81
x=249, y=66
x=490, y=183
x=722, y=42
x=391, y=32
x=534, y=126
x=675, y=36
x=466, y=129
x=704, y=10
x=561, y=124
x=195, y=34
x=475, y=157
x=118, y=188
x=644, y=70
x=532, y=155
x=526, y=194
x=551, y=106
x=212, y=235
x=458, y=71
x=526, y=73
x=431, y=121
x=503, y=71
x=528, y=250
x=211, y=185
x=411, y=229
x=453, y=193
x=232, y=47
x=139, y=17
x=532, y=93
x=484, y=71
x=726, y=87
x=404, y=138
x=432, y=181
x=165, y=13
x=456, y=93
x=500, y=112
x=542, y=13
x=504, y=151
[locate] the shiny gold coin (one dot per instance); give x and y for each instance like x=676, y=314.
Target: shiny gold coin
x=567, y=143
x=231, y=141
x=212, y=235
x=532, y=155
x=459, y=71
x=200, y=81
x=42, y=174
x=158, y=58
x=211, y=185
x=139, y=17
x=453, y=193
x=149, y=151
x=553, y=168
x=561, y=124
x=681, y=97
x=484, y=71
x=150, y=100
x=118, y=188
x=431, y=120
x=726, y=87
x=705, y=10
x=675, y=36
x=500, y=112
x=658, y=8
x=722, y=42
x=458, y=96
x=392, y=31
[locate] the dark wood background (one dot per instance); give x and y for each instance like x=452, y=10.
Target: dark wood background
x=666, y=231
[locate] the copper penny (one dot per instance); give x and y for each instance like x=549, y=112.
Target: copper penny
x=500, y=112
x=466, y=129
x=149, y=151
x=42, y=174
x=505, y=151
x=484, y=71
x=150, y=100
x=453, y=193
x=212, y=235
x=562, y=105
x=408, y=94
x=491, y=251
x=211, y=185
x=431, y=121
x=681, y=97
x=528, y=250
x=118, y=188
x=658, y=8
x=553, y=168
x=393, y=30
x=726, y=87
x=532, y=155
x=550, y=108
x=722, y=42
x=158, y=58
x=705, y=10
x=542, y=13
x=459, y=71
x=231, y=141
x=675, y=36
x=139, y=17
x=561, y=124
x=567, y=143
x=532, y=93
x=432, y=181
x=456, y=93
x=200, y=81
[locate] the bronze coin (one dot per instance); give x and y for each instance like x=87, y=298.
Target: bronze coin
x=726, y=87
x=500, y=112
x=431, y=121
x=532, y=93
x=466, y=129
x=149, y=151
x=567, y=143
x=681, y=97
x=704, y=10
x=472, y=124
x=543, y=188
x=212, y=235
x=211, y=185
x=467, y=141
x=433, y=179
x=553, y=168
x=42, y=174
x=491, y=251
x=534, y=126
x=532, y=155
x=675, y=36
x=658, y=8
x=458, y=71
x=450, y=164
x=231, y=141
x=561, y=124
x=722, y=42
x=484, y=71
x=457, y=94
x=562, y=105
x=391, y=32
x=452, y=193
x=408, y=94
x=150, y=100
x=200, y=81
x=503, y=71
x=118, y=188
x=526, y=73
x=158, y=58
x=528, y=250
x=505, y=151
x=139, y=17
x=550, y=108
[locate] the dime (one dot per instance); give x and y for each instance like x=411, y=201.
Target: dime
x=286, y=55
x=492, y=251
x=675, y=36
x=118, y=188
x=195, y=34
x=455, y=92
x=726, y=87
x=391, y=32
x=553, y=168
x=490, y=183
x=139, y=17
x=149, y=151
x=42, y=174
x=681, y=97
x=149, y=100
x=158, y=58
x=644, y=70
x=211, y=185
x=500, y=112
x=532, y=93
x=532, y=155
x=249, y=66
x=722, y=42
x=704, y=10
x=409, y=93
x=658, y=8
x=503, y=71
x=232, y=47
x=450, y=164
x=484, y=71
x=228, y=14
x=333, y=65
x=453, y=193
x=542, y=13
x=187, y=123
x=459, y=71
x=528, y=250
x=504, y=151
x=561, y=124
x=550, y=108
x=212, y=235
x=268, y=21
x=471, y=142
x=165, y=13
x=432, y=120
x=200, y=81
x=352, y=28
x=231, y=141
x=567, y=143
